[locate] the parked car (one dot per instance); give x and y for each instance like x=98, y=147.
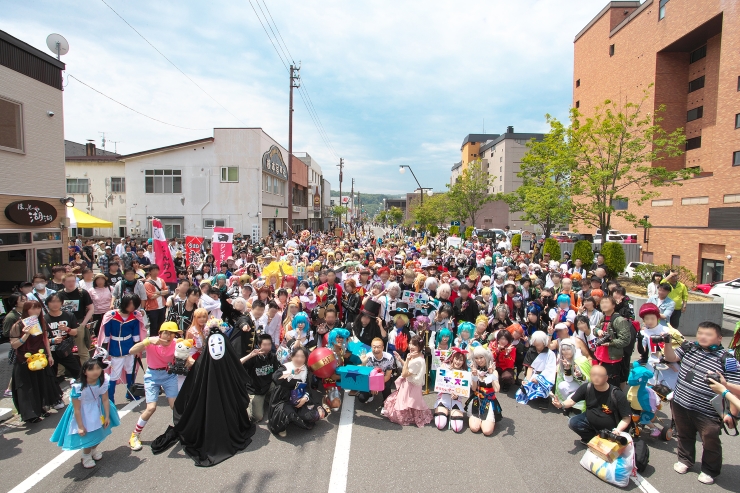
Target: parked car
x=581, y=236
x=704, y=288
x=609, y=237
x=483, y=233
x=730, y=292
x=497, y=232
x=629, y=271
x=630, y=238
x=562, y=238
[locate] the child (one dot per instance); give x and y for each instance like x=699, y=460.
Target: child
x=89, y=419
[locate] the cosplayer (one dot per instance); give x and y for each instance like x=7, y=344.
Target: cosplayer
x=337, y=340
x=541, y=364
x=504, y=356
x=406, y=405
x=160, y=351
x=449, y=408
x=562, y=313
x=330, y=293
x=398, y=338
x=290, y=402
x=88, y=421
x=196, y=332
x=464, y=339
x=350, y=301
x=573, y=369
x=210, y=412
x=532, y=323
x=385, y=362
x=484, y=407
x=122, y=329
x=654, y=338
x=367, y=325
x=260, y=364
x=300, y=334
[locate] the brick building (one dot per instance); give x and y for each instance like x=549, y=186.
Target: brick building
x=690, y=51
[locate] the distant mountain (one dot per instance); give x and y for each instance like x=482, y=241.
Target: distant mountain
x=371, y=202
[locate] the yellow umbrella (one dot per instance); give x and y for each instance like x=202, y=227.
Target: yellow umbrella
x=273, y=268
x=79, y=219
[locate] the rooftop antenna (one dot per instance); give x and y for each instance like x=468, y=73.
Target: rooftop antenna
x=103, y=140
x=57, y=44
x=115, y=145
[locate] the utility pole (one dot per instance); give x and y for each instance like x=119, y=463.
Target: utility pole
x=341, y=167
x=294, y=83
x=352, y=199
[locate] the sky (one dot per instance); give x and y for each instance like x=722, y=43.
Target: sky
x=392, y=82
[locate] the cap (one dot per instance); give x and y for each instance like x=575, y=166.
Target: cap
x=169, y=327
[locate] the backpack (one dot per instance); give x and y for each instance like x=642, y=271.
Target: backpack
x=642, y=454
x=590, y=394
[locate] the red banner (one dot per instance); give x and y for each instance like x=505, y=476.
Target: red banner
x=193, y=246
x=222, y=246
x=162, y=253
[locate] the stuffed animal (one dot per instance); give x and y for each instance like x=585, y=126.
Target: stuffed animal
x=182, y=352
x=640, y=396
x=36, y=361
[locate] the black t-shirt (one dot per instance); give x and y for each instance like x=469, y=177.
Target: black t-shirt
x=58, y=326
x=76, y=302
x=89, y=251
x=599, y=408
x=114, y=278
x=260, y=370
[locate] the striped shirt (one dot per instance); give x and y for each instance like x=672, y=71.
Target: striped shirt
x=695, y=394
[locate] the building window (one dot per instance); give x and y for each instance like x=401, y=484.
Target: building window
x=736, y=158
x=695, y=200
x=210, y=223
x=118, y=184
x=78, y=185
x=500, y=169
x=611, y=50
x=712, y=270
x=578, y=104
x=675, y=260
x=619, y=205
x=163, y=181
x=737, y=120
x=501, y=159
x=661, y=9
x=738, y=83
x=11, y=125
x=732, y=198
x=696, y=84
x=121, y=226
x=230, y=174
x=662, y=203
x=693, y=143
x=500, y=188
x=698, y=54
x=694, y=114
x=578, y=83
x=488, y=221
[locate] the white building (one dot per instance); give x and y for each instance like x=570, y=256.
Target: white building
x=315, y=187
x=96, y=180
x=237, y=178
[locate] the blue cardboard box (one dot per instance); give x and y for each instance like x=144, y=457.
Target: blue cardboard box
x=354, y=377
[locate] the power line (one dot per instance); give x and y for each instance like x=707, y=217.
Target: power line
x=128, y=107
x=172, y=63
x=278, y=31
x=268, y=36
x=273, y=32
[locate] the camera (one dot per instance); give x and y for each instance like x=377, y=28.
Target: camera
x=613, y=437
x=714, y=376
x=603, y=340
x=666, y=338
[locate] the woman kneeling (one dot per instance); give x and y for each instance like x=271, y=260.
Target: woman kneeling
x=449, y=406
x=484, y=407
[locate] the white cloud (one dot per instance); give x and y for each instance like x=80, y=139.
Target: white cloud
x=393, y=82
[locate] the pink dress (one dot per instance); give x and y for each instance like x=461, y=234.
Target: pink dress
x=406, y=405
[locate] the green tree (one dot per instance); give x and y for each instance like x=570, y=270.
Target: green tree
x=470, y=193
x=468, y=232
x=552, y=247
x=381, y=217
x=454, y=231
x=394, y=215
x=339, y=210
x=433, y=212
x=614, y=258
x=614, y=154
x=582, y=250
x=516, y=241
x=544, y=197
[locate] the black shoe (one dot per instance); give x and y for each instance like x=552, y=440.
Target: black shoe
x=584, y=442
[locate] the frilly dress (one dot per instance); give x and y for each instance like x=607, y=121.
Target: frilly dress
x=406, y=405
x=91, y=407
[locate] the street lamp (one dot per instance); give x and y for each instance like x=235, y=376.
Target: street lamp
x=645, y=236
x=402, y=170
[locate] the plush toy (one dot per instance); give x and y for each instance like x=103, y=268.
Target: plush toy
x=182, y=352
x=641, y=397
x=36, y=361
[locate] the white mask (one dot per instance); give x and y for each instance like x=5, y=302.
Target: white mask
x=216, y=346
x=39, y=286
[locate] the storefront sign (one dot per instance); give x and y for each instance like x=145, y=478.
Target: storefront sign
x=222, y=244
x=31, y=212
x=193, y=245
x=272, y=162
x=162, y=253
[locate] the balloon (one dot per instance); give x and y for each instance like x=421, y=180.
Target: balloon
x=322, y=362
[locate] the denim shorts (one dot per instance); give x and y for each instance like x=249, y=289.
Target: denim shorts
x=154, y=379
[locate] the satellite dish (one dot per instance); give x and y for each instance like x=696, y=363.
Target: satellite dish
x=57, y=44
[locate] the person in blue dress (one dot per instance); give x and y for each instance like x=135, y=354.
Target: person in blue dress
x=88, y=421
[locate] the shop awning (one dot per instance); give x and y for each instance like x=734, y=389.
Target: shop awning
x=79, y=219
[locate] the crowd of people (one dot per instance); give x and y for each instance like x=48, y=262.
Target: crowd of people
x=558, y=332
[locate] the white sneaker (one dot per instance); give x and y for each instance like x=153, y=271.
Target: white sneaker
x=369, y=399
x=60, y=405
x=705, y=478
x=382, y=412
x=283, y=434
x=87, y=461
x=96, y=454
x=681, y=468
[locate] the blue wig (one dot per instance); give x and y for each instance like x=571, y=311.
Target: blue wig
x=563, y=298
x=466, y=327
x=441, y=334
x=300, y=317
x=338, y=332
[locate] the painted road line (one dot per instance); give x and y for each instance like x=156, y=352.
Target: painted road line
x=643, y=484
x=60, y=459
x=340, y=465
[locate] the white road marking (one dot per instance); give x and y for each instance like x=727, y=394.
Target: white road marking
x=340, y=466
x=60, y=459
x=643, y=484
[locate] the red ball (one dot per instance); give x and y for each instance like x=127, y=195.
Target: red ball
x=322, y=362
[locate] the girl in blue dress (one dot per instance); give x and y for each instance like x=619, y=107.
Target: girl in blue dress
x=91, y=416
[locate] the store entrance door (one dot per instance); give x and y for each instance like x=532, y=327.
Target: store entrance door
x=712, y=270
x=15, y=269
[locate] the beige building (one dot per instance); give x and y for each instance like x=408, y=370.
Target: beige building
x=33, y=226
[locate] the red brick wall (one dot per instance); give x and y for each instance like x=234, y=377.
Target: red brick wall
x=638, y=61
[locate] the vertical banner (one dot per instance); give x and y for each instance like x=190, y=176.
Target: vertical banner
x=162, y=253
x=193, y=246
x=223, y=244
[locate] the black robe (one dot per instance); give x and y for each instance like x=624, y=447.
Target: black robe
x=282, y=413
x=210, y=413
